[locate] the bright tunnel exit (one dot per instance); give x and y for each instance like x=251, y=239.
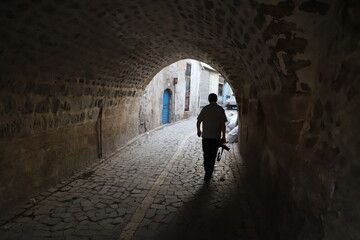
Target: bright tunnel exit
x=180, y=90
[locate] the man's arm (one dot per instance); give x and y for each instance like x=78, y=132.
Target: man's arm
x=223, y=131
x=198, y=123
x=223, y=126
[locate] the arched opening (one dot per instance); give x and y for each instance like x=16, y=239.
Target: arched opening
x=189, y=82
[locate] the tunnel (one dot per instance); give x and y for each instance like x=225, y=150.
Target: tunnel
x=72, y=74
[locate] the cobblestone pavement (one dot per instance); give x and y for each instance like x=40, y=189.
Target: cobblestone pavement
x=151, y=189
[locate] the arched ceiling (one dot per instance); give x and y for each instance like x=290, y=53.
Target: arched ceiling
x=128, y=42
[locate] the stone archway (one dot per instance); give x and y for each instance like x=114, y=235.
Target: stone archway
x=292, y=65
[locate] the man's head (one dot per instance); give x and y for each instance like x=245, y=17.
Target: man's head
x=212, y=97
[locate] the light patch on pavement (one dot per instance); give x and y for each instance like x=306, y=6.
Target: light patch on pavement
x=141, y=210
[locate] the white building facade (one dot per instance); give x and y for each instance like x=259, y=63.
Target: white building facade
x=178, y=91
x=211, y=82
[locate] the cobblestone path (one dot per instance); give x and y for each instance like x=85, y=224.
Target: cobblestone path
x=152, y=189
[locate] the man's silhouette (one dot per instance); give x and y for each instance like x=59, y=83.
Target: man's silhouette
x=213, y=120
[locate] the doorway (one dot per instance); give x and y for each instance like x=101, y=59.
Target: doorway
x=166, y=106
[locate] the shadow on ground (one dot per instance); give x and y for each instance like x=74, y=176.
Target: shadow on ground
x=204, y=218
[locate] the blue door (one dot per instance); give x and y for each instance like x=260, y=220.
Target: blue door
x=166, y=107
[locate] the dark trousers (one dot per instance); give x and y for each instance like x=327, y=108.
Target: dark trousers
x=210, y=147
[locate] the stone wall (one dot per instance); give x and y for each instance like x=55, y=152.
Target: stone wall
x=49, y=129
x=302, y=164
x=293, y=66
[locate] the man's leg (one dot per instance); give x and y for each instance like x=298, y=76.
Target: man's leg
x=212, y=154
x=210, y=147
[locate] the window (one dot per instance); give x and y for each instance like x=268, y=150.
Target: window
x=187, y=90
x=220, y=92
x=188, y=70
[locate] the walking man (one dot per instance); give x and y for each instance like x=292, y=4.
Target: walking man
x=213, y=120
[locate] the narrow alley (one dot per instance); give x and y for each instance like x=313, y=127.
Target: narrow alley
x=153, y=188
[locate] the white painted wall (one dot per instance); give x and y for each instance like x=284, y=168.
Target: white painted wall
x=214, y=82
x=209, y=83
x=195, y=86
